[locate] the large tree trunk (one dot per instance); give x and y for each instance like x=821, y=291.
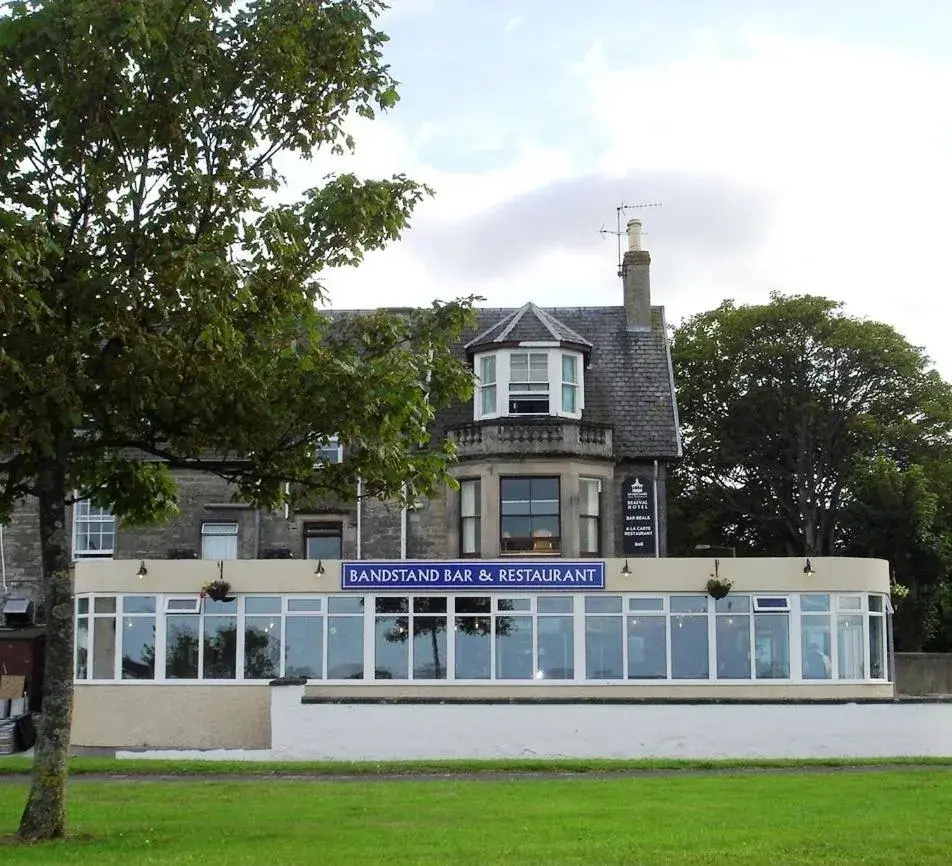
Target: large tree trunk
x=45, y=814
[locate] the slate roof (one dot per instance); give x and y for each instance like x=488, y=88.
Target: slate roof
x=527, y=323
x=628, y=381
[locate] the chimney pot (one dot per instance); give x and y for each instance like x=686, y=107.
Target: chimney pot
x=634, y=235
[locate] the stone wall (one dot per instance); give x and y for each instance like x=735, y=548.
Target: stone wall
x=923, y=673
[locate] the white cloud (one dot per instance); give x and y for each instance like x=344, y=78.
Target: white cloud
x=851, y=146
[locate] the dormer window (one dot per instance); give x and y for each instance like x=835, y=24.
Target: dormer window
x=529, y=381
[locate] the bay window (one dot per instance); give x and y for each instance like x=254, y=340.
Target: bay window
x=521, y=382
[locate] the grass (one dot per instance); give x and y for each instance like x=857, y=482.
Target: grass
x=808, y=817
x=16, y=765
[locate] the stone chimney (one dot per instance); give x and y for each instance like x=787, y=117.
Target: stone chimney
x=635, y=267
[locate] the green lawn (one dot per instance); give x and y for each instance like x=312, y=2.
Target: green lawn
x=900, y=816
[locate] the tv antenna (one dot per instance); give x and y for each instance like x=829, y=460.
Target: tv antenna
x=623, y=208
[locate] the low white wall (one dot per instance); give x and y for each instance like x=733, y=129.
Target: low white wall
x=368, y=732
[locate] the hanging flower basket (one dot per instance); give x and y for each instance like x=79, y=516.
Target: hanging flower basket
x=217, y=590
x=718, y=587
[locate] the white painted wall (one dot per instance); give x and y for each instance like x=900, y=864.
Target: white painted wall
x=367, y=732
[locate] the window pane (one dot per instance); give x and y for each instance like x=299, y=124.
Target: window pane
x=521, y=604
x=556, y=648
x=392, y=604
x=472, y=604
x=219, y=547
x=345, y=647
x=815, y=602
x=876, y=603
x=772, y=646
x=138, y=647
x=305, y=604
x=429, y=647
x=488, y=398
x=220, y=648
x=518, y=367
x=656, y=604
x=515, y=489
x=212, y=606
x=392, y=648
x=469, y=497
x=603, y=648
x=104, y=647
x=513, y=647
x=816, y=647
x=469, y=541
x=733, y=604
x=263, y=604
x=688, y=604
x=304, y=647
x=546, y=489
x=569, y=368
x=602, y=604
x=588, y=530
x=689, y=647
x=849, y=602
x=487, y=370
x=733, y=647
x=849, y=653
x=138, y=604
x=82, y=649
x=104, y=604
x=570, y=398
x=588, y=496
x=473, y=645
x=539, y=367
x=877, y=647
x=82, y=605
x=555, y=604
x=323, y=546
x=647, y=648
x=181, y=647
x=262, y=647
x=346, y=604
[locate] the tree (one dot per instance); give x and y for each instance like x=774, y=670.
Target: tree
x=902, y=515
x=157, y=311
x=780, y=403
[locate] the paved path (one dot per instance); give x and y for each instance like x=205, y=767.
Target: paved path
x=489, y=776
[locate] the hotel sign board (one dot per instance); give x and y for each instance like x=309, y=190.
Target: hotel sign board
x=638, y=517
x=472, y=574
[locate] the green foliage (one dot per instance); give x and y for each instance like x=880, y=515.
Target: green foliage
x=153, y=303
x=781, y=402
x=157, y=305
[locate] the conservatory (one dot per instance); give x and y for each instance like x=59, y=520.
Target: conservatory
x=159, y=643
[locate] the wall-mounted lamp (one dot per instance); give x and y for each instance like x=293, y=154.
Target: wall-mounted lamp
x=626, y=569
x=143, y=571
x=808, y=568
x=320, y=567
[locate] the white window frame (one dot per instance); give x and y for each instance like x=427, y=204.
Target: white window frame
x=503, y=385
x=210, y=523
x=331, y=451
x=639, y=605
x=82, y=513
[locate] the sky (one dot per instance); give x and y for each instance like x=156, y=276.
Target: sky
x=801, y=147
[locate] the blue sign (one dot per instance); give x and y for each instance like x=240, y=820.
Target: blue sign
x=521, y=574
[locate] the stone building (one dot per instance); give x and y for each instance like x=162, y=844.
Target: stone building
x=570, y=405
x=539, y=578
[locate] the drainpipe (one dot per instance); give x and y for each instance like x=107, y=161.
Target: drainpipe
x=257, y=533
x=360, y=490
x=657, y=516
x=403, y=524
x=3, y=561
